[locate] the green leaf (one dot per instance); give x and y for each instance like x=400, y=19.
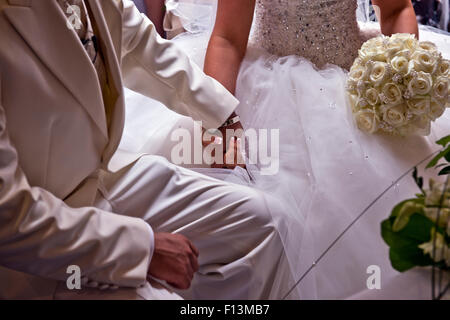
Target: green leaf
x=399, y=262
x=408, y=257
x=444, y=141
x=444, y=171
x=416, y=232
x=417, y=179
x=404, y=251
x=398, y=207
x=441, y=155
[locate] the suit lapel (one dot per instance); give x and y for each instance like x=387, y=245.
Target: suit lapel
x=110, y=33
x=44, y=27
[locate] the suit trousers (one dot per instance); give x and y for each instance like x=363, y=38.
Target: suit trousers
x=234, y=227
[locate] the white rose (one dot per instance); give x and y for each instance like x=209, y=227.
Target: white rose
x=373, y=50
x=436, y=110
x=428, y=46
x=373, y=42
x=361, y=103
x=395, y=116
x=372, y=96
x=420, y=84
x=408, y=40
x=440, y=89
x=419, y=106
x=393, y=47
x=357, y=74
x=410, y=43
x=400, y=65
x=444, y=67
x=378, y=73
x=391, y=94
x=367, y=120
x=424, y=61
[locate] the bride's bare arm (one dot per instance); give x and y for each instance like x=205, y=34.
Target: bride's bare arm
x=228, y=42
x=397, y=16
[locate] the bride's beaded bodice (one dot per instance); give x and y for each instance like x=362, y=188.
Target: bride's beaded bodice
x=323, y=31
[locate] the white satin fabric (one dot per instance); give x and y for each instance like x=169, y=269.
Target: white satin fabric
x=330, y=172
x=232, y=226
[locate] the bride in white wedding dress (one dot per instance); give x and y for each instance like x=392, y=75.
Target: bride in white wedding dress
x=337, y=182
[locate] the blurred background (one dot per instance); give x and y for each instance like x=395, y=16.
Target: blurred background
x=433, y=13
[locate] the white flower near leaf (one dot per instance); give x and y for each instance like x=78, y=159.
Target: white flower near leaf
x=437, y=248
x=418, y=230
x=436, y=196
x=443, y=213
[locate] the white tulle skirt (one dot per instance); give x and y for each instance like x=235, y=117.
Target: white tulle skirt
x=337, y=182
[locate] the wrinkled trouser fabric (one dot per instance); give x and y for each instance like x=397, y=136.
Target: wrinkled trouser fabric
x=234, y=227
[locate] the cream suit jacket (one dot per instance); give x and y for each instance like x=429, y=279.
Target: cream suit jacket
x=54, y=138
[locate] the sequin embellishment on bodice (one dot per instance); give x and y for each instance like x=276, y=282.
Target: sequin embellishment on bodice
x=323, y=31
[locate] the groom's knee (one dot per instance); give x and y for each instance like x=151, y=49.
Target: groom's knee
x=260, y=209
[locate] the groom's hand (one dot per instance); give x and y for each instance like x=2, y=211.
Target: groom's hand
x=175, y=260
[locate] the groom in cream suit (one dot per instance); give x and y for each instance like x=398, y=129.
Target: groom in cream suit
x=147, y=230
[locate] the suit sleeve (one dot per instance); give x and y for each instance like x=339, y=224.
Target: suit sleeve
x=158, y=69
x=40, y=235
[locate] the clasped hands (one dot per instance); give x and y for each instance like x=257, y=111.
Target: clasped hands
x=175, y=258
x=230, y=137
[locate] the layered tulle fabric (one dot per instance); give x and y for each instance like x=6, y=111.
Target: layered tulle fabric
x=337, y=183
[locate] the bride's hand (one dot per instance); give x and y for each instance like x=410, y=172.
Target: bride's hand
x=233, y=156
x=230, y=138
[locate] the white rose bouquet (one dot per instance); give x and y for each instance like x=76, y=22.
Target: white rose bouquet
x=398, y=85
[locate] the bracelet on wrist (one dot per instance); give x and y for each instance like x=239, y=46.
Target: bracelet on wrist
x=231, y=121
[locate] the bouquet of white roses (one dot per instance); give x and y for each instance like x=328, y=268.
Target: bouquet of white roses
x=398, y=85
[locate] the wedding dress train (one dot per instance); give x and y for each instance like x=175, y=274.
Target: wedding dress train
x=337, y=182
